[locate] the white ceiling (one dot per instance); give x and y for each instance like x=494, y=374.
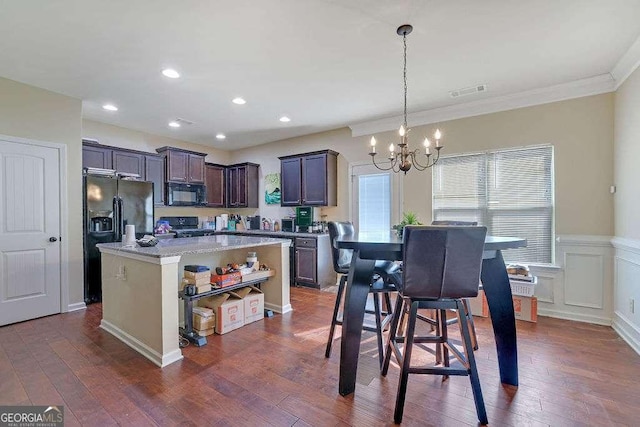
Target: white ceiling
x=324, y=63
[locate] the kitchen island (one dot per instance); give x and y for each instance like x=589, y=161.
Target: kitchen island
x=140, y=286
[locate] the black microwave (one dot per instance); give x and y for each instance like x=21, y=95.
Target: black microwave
x=186, y=194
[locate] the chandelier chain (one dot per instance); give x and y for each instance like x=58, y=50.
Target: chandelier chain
x=404, y=74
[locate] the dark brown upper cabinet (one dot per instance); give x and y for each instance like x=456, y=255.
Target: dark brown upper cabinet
x=215, y=183
x=242, y=185
x=183, y=165
x=128, y=162
x=149, y=166
x=96, y=156
x=309, y=179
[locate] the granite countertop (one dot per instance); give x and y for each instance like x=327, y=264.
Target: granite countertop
x=285, y=234
x=193, y=245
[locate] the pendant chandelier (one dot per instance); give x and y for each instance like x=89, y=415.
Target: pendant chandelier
x=404, y=158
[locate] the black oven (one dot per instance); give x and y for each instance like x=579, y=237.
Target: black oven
x=186, y=194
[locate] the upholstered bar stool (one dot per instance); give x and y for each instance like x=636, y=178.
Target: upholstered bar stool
x=465, y=301
x=382, y=283
x=441, y=267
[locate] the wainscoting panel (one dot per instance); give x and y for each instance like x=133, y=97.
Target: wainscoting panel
x=587, y=270
x=580, y=285
x=626, y=317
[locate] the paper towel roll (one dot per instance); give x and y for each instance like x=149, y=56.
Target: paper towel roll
x=130, y=234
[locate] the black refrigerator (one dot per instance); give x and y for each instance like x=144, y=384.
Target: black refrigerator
x=110, y=204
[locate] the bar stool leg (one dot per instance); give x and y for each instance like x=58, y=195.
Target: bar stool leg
x=378, y=314
x=473, y=370
x=445, y=339
x=334, y=319
x=393, y=331
x=472, y=326
x=406, y=364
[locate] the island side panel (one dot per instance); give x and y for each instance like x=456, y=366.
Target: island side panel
x=140, y=305
x=276, y=256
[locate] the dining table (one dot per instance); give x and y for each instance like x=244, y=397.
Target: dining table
x=367, y=248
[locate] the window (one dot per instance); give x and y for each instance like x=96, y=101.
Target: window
x=375, y=203
x=508, y=191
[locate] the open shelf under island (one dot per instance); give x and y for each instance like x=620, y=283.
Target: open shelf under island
x=140, y=304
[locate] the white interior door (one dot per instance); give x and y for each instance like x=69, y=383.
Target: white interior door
x=375, y=203
x=29, y=223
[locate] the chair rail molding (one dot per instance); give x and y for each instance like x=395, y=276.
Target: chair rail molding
x=626, y=317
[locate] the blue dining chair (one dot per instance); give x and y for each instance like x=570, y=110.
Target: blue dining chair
x=441, y=266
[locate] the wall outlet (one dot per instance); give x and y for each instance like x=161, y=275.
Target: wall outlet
x=632, y=305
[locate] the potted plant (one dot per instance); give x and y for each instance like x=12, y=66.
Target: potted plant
x=408, y=218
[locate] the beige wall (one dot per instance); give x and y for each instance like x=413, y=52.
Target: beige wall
x=33, y=113
x=581, y=130
x=627, y=154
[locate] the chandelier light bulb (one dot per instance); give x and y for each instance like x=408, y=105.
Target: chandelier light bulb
x=427, y=144
x=392, y=148
x=437, y=135
x=373, y=144
x=402, y=132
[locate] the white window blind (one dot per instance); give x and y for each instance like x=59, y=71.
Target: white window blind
x=508, y=191
x=374, y=204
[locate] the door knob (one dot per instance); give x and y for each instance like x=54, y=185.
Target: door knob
x=53, y=239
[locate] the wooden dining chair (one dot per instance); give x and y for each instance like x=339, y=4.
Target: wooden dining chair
x=441, y=266
x=383, y=281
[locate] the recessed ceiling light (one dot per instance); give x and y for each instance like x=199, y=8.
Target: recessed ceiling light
x=239, y=101
x=174, y=124
x=110, y=107
x=221, y=136
x=171, y=73
x=285, y=119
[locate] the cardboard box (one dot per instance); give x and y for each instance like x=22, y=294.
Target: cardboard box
x=201, y=289
x=228, y=309
x=196, y=276
x=261, y=274
x=198, y=281
x=479, y=306
x=200, y=322
x=253, y=299
x=203, y=311
x=525, y=308
x=222, y=280
x=204, y=332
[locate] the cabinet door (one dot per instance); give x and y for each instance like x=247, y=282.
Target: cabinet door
x=232, y=187
x=128, y=162
x=214, y=181
x=177, y=166
x=241, y=177
x=154, y=172
x=196, y=169
x=306, y=265
x=290, y=182
x=96, y=157
x=314, y=180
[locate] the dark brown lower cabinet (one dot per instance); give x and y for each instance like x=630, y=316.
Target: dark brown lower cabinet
x=306, y=267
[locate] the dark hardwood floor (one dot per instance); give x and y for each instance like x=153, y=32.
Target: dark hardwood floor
x=273, y=372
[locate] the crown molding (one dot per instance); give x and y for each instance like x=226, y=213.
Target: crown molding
x=627, y=64
x=597, y=85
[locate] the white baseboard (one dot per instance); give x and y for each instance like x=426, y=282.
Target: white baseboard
x=76, y=306
x=278, y=308
x=157, y=358
x=578, y=317
x=627, y=331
